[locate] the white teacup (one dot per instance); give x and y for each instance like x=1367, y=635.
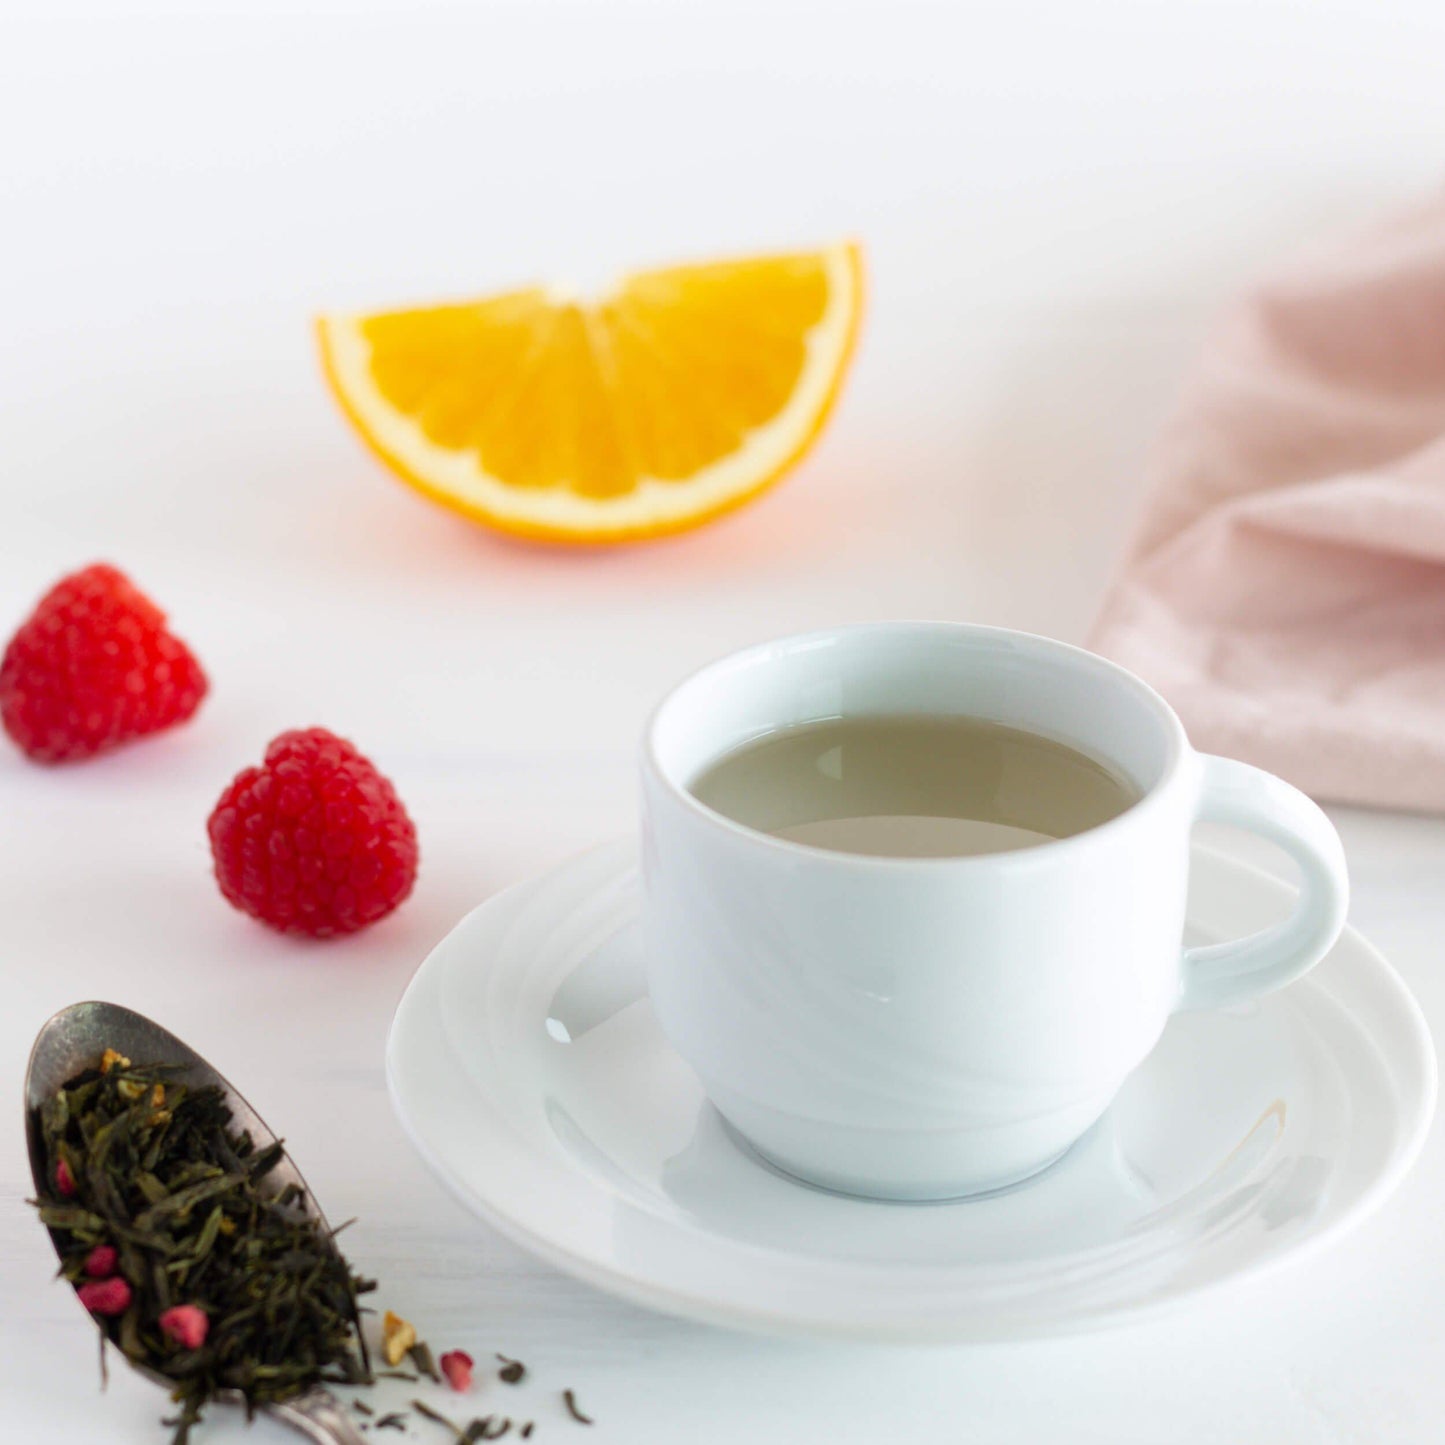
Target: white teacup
x=929, y=1028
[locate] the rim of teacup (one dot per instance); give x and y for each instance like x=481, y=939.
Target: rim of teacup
x=1177, y=746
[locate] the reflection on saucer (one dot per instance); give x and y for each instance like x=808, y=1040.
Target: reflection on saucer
x=526, y=1063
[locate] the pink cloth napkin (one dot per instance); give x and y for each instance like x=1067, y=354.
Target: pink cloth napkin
x=1286, y=591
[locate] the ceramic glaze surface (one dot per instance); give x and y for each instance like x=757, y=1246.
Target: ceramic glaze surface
x=528, y=1067
x=930, y=1028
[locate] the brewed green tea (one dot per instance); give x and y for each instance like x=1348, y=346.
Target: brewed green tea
x=913, y=787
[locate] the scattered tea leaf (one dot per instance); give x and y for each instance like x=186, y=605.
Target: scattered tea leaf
x=458, y=1434
x=570, y=1400
x=421, y=1357
x=182, y=1423
x=513, y=1372
x=396, y=1420
x=489, y=1427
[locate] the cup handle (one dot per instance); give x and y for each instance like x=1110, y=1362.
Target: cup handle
x=1218, y=974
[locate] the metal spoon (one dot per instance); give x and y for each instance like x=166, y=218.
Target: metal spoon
x=73, y=1040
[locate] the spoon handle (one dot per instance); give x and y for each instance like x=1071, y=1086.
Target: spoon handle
x=319, y=1416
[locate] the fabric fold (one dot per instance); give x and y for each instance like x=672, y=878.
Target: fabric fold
x=1286, y=587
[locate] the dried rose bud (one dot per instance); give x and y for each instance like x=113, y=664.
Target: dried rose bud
x=100, y=1262
x=456, y=1365
x=64, y=1181
x=187, y=1325
x=397, y=1337
x=105, y=1296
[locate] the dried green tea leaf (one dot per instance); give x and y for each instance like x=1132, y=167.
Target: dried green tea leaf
x=421, y=1357
x=422, y=1408
x=160, y=1173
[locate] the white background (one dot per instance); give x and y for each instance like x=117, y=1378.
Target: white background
x=1055, y=199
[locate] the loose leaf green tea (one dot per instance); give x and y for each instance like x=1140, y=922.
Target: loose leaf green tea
x=436, y=1416
x=190, y=1264
x=422, y=1358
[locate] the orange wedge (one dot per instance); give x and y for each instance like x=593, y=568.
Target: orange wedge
x=679, y=396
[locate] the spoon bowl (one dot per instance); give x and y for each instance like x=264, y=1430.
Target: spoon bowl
x=71, y=1042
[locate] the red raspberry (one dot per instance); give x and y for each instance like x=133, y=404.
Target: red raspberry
x=457, y=1366
x=315, y=840
x=101, y=1261
x=94, y=666
x=187, y=1325
x=105, y=1296
x=64, y=1180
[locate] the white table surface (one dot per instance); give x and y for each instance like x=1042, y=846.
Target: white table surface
x=1055, y=198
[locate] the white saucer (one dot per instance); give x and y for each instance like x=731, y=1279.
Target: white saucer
x=527, y=1067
